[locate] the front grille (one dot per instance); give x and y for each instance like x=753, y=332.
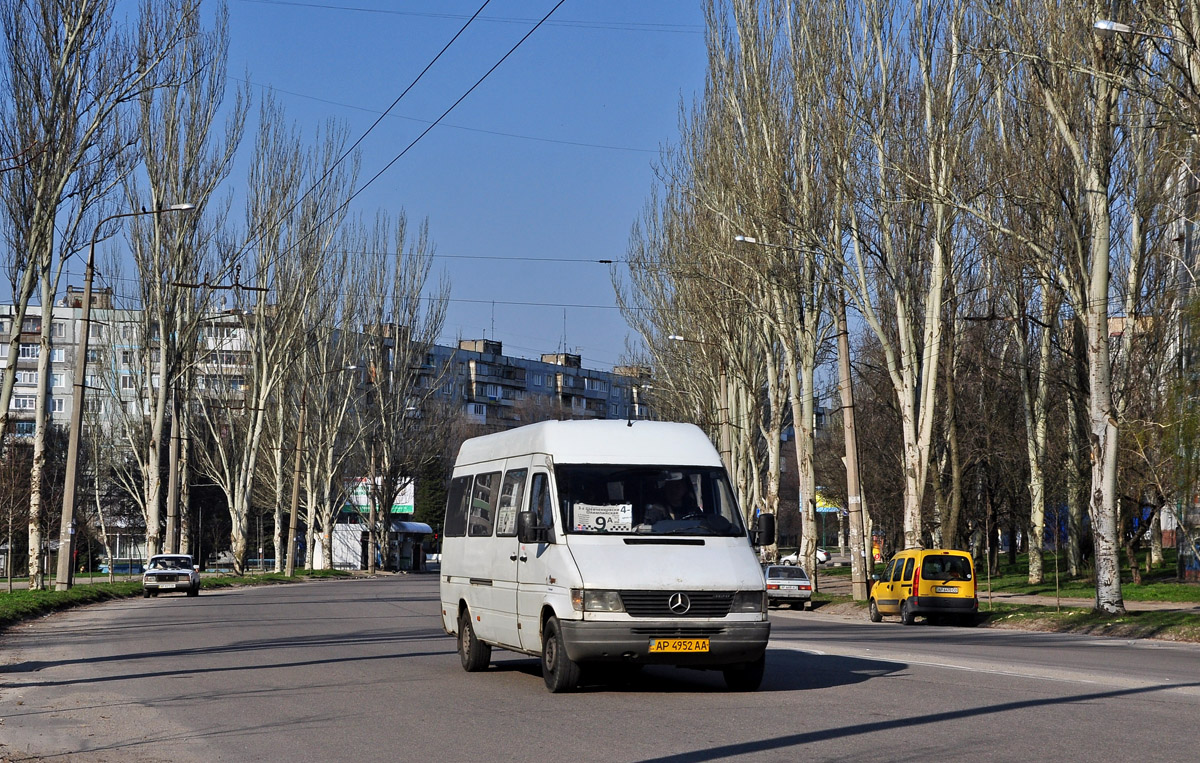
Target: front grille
x=681, y=632
x=166, y=578
x=657, y=603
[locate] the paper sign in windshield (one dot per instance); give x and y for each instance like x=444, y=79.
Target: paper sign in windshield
x=604, y=519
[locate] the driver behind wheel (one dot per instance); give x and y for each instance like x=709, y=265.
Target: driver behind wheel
x=675, y=501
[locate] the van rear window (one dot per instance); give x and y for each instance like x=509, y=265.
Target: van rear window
x=646, y=500
x=946, y=568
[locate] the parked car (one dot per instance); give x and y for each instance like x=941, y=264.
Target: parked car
x=934, y=583
x=793, y=559
x=171, y=572
x=788, y=584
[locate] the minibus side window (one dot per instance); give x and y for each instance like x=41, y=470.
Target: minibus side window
x=539, y=500
x=512, y=494
x=908, y=569
x=456, y=507
x=483, y=504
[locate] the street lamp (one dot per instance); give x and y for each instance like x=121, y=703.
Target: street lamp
x=66, y=530
x=1116, y=27
x=290, y=568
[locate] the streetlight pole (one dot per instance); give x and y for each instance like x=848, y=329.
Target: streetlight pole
x=66, y=530
x=290, y=568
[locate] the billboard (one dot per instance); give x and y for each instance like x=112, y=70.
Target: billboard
x=359, y=490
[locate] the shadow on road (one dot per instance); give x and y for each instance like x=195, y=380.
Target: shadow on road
x=787, y=670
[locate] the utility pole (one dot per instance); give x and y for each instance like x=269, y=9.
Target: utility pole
x=290, y=568
x=858, y=555
x=171, y=545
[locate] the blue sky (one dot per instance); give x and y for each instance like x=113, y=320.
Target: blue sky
x=550, y=158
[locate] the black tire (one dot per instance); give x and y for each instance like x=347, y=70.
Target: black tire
x=747, y=676
x=474, y=654
x=146, y=593
x=873, y=612
x=559, y=671
x=906, y=614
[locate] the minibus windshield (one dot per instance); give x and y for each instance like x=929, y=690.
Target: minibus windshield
x=647, y=500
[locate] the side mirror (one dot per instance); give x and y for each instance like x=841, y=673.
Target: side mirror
x=526, y=525
x=529, y=531
x=762, y=531
x=875, y=578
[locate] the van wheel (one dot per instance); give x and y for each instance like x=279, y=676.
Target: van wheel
x=906, y=614
x=559, y=671
x=873, y=612
x=747, y=677
x=474, y=654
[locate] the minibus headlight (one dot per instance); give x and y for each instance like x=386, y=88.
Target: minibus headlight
x=749, y=601
x=586, y=600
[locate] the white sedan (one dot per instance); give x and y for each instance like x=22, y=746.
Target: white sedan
x=171, y=572
x=793, y=559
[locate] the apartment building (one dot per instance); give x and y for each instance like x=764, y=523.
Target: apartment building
x=492, y=389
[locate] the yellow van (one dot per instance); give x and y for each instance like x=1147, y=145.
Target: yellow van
x=935, y=583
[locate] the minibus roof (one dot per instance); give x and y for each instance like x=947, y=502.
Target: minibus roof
x=598, y=442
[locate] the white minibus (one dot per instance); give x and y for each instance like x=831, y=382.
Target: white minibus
x=602, y=542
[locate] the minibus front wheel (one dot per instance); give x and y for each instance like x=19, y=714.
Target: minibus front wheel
x=475, y=655
x=559, y=671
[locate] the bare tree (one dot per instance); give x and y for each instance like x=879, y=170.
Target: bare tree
x=186, y=153
x=281, y=223
x=405, y=315
x=69, y=70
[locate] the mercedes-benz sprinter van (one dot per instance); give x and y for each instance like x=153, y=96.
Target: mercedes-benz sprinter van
x=602, y=542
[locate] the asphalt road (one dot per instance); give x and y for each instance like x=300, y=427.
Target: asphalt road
x=359, y=670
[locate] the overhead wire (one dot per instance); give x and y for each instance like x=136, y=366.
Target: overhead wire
x=337, y=210
x=516, y=136
x=361, y=138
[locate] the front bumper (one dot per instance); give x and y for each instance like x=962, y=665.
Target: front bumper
x=153, y=584
x=728, y=643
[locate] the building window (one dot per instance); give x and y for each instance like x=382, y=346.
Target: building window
x=537, y=380
x=23, y=403
x=30, y=351
x=57, y=380
x=26, y=428
x=477, y=409
x=31, y=325
x=58, y=329
x=126, y=381
x=127, y=357
x=27, y=377
x=56, y=405
x=57, y=355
